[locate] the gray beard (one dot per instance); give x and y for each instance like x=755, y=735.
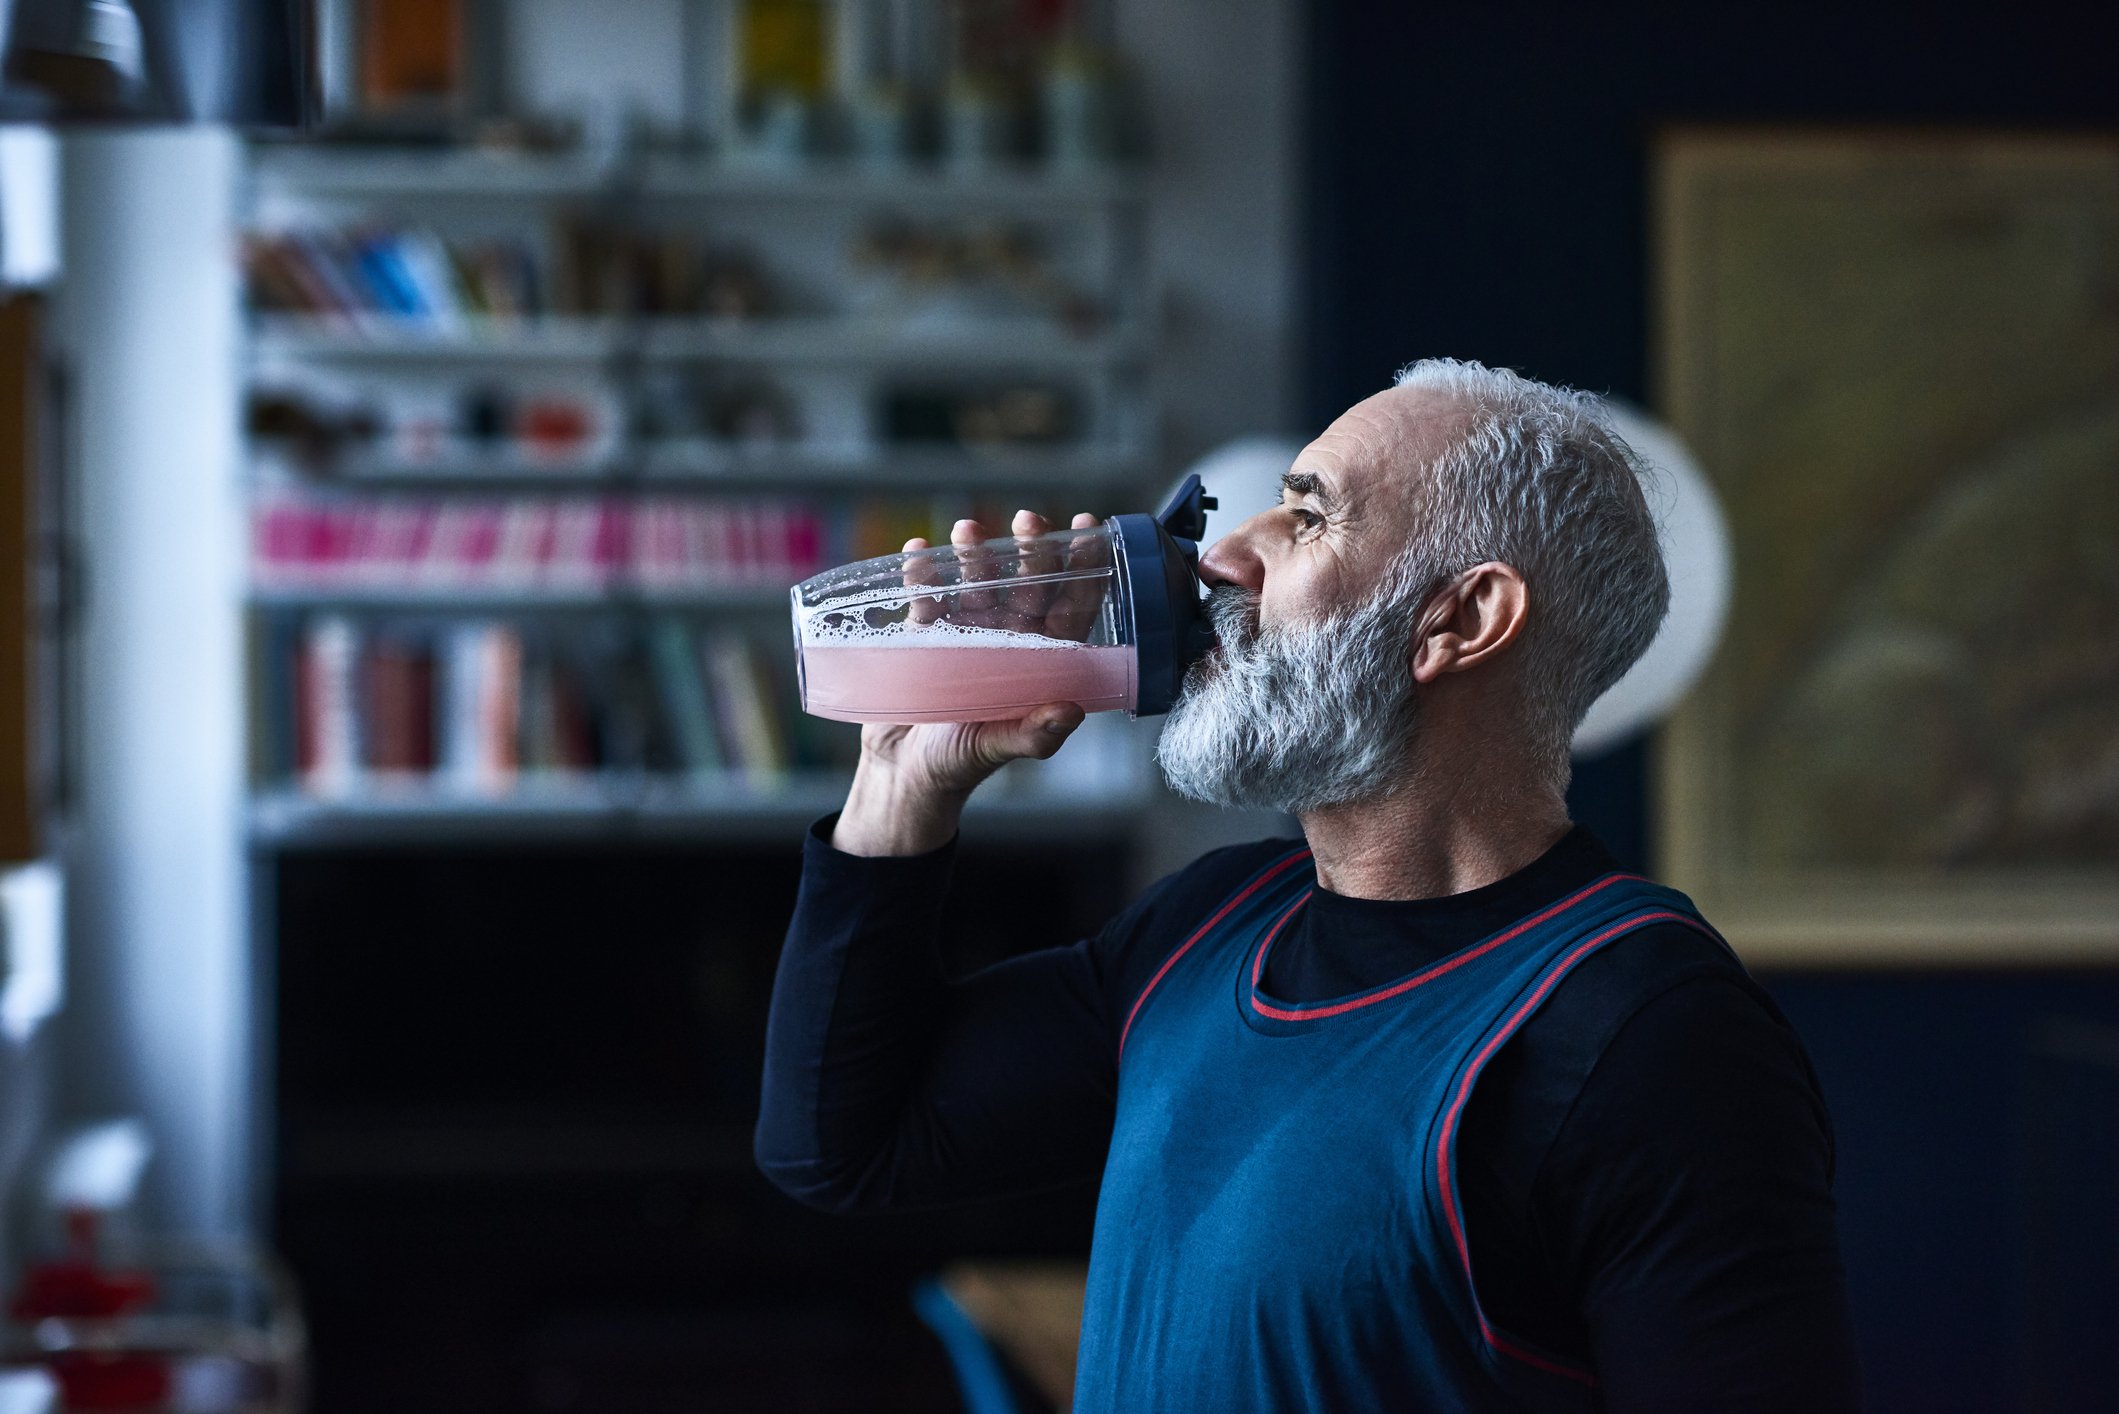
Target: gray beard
x=1298, y=719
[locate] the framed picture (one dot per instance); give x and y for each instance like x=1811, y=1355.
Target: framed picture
x=1897, y=355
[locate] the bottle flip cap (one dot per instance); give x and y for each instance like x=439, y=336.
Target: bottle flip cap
x=1165, y=600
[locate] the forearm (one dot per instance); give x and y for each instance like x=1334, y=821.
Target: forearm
x=858, y=987
x=888, y=1086
x=887, y=817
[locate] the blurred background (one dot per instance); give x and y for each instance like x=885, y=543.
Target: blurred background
x=413, y=414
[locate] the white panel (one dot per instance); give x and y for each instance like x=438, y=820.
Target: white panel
x=29, y=205
x=156, y=1021
x=1219, y=82
x=598, y=61
x=32, y=913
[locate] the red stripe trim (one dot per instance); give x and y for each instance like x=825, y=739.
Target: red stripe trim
x=1169, y=962
x=1464, y=1089
x=1449, y=964
x=1549, y=1366
x=1280, y=923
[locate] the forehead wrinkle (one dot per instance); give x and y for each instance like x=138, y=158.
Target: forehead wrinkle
x=1356, y=438
x=1425, y=422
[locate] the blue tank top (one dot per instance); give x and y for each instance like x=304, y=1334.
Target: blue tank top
x=1279, y=1226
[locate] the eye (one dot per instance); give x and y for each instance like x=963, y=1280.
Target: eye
x=1305, y=518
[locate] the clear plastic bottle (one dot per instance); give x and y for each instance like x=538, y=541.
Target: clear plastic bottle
x=970, y=633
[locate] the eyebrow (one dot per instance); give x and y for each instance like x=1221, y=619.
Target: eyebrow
x=1304, y=483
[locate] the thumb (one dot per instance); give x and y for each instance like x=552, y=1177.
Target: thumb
x=1037, y=736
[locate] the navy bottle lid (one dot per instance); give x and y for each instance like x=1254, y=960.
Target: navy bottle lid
x=1164, y=596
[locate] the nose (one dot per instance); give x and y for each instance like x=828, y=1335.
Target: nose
x=1234, y=559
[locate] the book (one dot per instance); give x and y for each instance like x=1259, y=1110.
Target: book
x=426, y=264
x=324, y=255
x=276, y=700
x=328, y=751
x=743, y=698
x=573, y=734
x=398, y=707
x=272, y=287
x=683, y=691
x=299, y=263
x=482, y=706
x=538, y=739
x=390, y=286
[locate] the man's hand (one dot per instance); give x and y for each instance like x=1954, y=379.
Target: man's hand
x=912, y=781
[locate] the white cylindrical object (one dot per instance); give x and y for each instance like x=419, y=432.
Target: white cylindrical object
x=1696, y=556
x=158, y=979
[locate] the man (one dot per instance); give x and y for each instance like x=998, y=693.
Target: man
x=1434, y=1109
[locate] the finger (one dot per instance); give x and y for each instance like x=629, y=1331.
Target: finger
x=920, y=570
x=1027, y=605
x=1082, y=600
x=1034, y=737
x=974, y=606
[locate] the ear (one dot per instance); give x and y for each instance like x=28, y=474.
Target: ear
x=1471, y=620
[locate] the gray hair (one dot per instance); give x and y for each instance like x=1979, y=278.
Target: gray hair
x=1537, y=479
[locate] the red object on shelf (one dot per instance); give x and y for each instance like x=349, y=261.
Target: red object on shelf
x=553, y=425
x=76, y=1287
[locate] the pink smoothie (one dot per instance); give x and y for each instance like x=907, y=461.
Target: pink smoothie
x=948, y=682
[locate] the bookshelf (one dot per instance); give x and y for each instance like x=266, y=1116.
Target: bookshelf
x=538, y=443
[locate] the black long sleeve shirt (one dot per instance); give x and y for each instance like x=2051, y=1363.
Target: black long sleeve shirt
x=1645, y=1166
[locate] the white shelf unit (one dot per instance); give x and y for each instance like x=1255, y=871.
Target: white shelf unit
x=304, y=171
x=841, y=337
x=790, y=340
x=701, y=465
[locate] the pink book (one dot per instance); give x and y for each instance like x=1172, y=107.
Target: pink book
x=698, y=543
x=747, y=560
x=720, y=540
x=613, y=545
x=514, y=559
x=775, y=563
x=331, y=543
x=276, y=541
x=639, y=520
x=658, y=545
x=359, y=565
x=571, y=560
x=419, y=539
x=543, y=538
x=396, y=522
x=481, y=543
x=442, y=552
x=805, y=543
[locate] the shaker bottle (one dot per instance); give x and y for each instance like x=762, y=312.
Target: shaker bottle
x=1107, y=616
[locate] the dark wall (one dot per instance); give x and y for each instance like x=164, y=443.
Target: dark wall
x=514, y=1088
x=1477, y=173
x=1477, y=187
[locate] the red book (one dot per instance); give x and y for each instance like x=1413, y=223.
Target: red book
x=400, y=708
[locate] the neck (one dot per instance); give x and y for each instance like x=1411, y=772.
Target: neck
x=1437, y=833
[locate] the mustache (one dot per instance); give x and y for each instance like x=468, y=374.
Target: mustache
x=1232, y=610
